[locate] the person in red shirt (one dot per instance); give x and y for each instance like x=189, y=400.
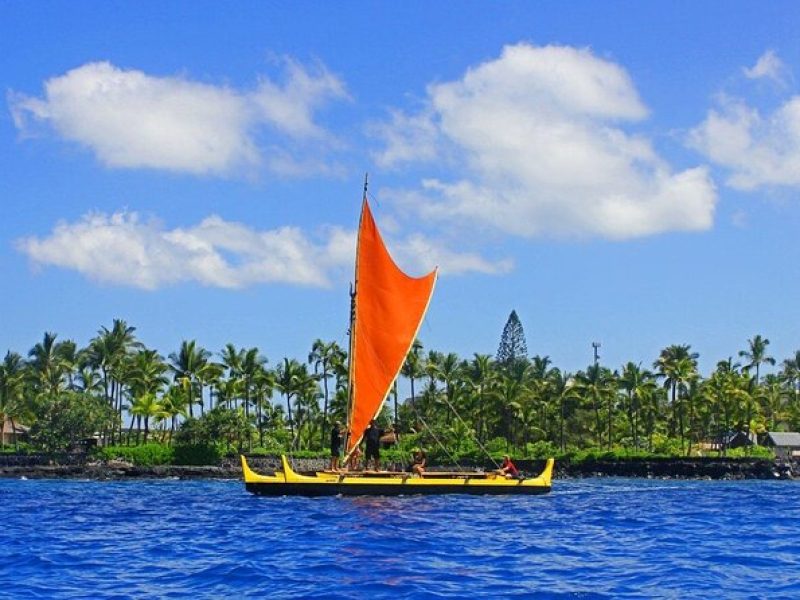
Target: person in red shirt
x=508, y=468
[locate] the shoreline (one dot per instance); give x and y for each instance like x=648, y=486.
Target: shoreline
x=668, y=468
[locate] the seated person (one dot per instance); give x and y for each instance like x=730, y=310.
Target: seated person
x=354, y=462
x=420, y=460
x=508, y=468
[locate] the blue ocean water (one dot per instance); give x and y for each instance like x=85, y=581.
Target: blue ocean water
x=593, y=538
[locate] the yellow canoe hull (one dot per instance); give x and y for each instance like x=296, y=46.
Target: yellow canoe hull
x=287, y=482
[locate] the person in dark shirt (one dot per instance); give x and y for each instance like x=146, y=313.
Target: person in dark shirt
x=336, y=445
x=418, y=463
x=372, y=443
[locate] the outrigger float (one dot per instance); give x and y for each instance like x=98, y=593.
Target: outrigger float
x=287, y=482
x=386, y=312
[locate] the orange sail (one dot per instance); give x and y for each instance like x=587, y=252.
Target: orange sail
x=389, y=308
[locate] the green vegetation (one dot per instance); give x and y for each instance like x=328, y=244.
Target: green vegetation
x=146, y=455
x=196, y=406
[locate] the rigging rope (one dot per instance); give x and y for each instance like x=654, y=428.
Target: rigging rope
x=436, y=439
x=468, y=428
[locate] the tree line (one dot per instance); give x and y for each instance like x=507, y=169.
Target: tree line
x=125, y=393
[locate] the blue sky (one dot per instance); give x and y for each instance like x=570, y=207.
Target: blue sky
x=618, y=172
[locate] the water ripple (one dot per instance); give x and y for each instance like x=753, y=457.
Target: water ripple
x=594, y=538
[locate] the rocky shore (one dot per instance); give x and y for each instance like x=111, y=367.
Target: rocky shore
x=687, y=468
x=70, y=467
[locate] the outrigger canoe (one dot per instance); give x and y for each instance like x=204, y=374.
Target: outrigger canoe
x=287, y=482
x=386, y=312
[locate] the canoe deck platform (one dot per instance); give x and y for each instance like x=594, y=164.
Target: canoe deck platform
x=405, y=474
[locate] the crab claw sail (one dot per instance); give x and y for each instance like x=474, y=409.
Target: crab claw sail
x=389, y=308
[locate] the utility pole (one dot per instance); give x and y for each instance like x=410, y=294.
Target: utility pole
x=596, y=346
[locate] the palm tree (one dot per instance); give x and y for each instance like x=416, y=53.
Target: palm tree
x=263, y=386
x=228, y=390
x=251, y=365
x=448, y=371
x=285, y=375
x=232, y=360
x=567, y=395
x=482, y=376
x=173, y=405
x=325, y=357
x=47, y=367
x=187, y=364
x=412, y=367
x=429, y=366
x=678, y=366
x=69, y=358
x=306, y=411
x=545, y=382
x=727, y=392
x=293, y=380
x=209, y=376
x=639, y=385
x=772, y=397
x=146, y=406
x=106, y=352
x=756, y=354
x=597, y=385
x=89, y=381
x=12, y=385
x=147, y=372
x=511, y=392
x=790, y=372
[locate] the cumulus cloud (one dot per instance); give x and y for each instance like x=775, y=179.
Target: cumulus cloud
x=407, y=137
x=537, y=144
x=758, y=149
x=124, y=249
x=421, y=252
x=290, y=107
x=767, y=66
x=130, y=119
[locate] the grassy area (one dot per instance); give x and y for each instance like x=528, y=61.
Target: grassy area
x=154, y=454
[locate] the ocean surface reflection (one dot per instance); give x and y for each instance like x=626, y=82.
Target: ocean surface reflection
x=593, y=538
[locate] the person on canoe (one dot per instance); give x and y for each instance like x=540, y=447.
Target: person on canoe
x=420, y=460
x=336, y=445
x=354, y=463
x=372, y=442
x=508, y=468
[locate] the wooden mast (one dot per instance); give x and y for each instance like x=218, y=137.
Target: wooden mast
x=352, y=330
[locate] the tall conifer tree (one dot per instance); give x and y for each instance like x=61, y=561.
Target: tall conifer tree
x=512, y=342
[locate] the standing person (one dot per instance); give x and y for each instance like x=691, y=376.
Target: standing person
x=336, y=445
x=372, y=441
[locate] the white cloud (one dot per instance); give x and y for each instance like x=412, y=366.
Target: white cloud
x=536, y=142
x=123, y=249
x=758, y=149
x=290, y=107
x=407, y=137
x=768, y=66
x=130, y=119
x=421, y=252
